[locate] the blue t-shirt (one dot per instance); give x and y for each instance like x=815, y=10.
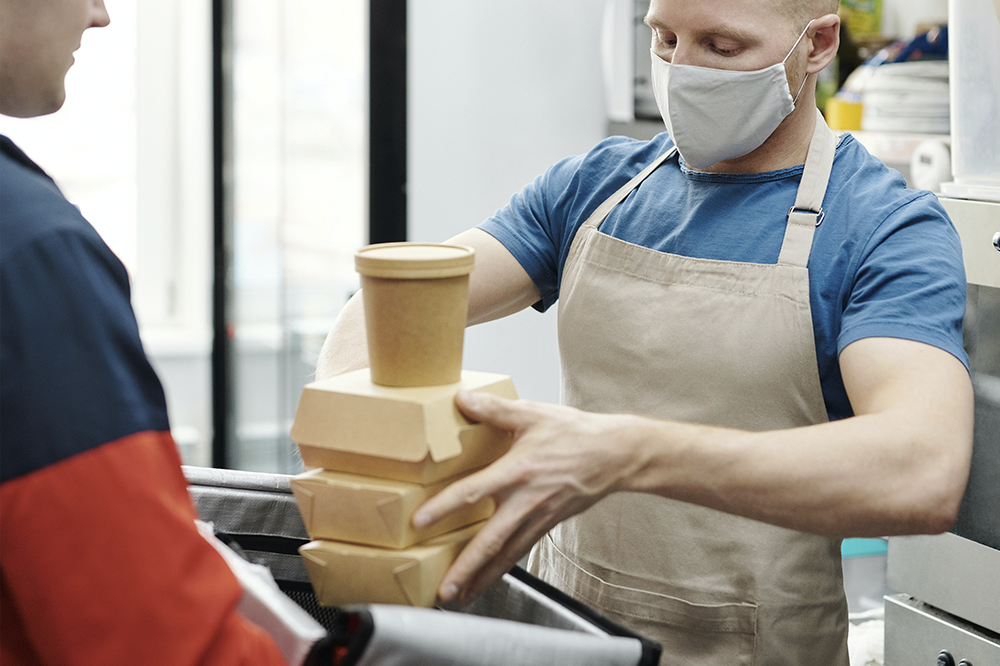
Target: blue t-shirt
x=886, y=261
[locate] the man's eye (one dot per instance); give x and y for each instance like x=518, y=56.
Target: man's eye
x=723, y=51
x=665, y=39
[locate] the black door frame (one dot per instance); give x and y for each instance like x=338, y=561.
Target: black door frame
x=386, y=178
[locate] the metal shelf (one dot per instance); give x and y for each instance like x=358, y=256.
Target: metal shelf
x=642, y=129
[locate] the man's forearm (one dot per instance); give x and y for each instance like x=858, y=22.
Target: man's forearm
x=898, y=467
x=871, y=475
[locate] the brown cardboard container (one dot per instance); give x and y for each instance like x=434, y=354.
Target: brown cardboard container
x=373, y=512
x=416, y=298
x=345, y=573
x=350, y=424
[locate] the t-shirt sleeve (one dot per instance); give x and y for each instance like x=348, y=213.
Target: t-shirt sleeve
x=910, y=281
x=538, y=224
x=528, y=227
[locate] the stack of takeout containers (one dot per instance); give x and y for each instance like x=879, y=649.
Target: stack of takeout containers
x=383, y=441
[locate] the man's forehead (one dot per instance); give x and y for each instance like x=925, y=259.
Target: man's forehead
x=793, y=11
x=746, y=16
x=744, y=19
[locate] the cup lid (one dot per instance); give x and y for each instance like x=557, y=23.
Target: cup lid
x=414, y=260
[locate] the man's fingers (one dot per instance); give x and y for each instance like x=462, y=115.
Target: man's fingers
x=481, y=551
x=489, y=555
x=488, y=408
x=464, y=492
x=510, y=533
x=517, y=547
x=492, y=481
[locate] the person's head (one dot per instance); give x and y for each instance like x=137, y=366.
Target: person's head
x=37, y=41
x=746, y=34
x=735, y=79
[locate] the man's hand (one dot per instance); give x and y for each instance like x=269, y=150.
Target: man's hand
x=563, y=460
x=898, y=466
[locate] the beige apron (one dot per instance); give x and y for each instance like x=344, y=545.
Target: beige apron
x=713, y=342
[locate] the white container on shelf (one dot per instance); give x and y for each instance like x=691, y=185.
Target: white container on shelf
x=974, y=54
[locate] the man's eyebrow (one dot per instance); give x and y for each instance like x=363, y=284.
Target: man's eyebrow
x=733, y=32
x=729, y=32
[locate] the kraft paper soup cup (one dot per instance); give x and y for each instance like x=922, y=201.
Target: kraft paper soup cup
x=416, y=298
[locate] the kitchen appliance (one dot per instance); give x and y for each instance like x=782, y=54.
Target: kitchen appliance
x=949, y=611
x=257, y=516
x=949, y=608
x=973, y=54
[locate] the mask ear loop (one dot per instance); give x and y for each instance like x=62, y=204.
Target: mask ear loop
x=794, y=46
x=801, y=86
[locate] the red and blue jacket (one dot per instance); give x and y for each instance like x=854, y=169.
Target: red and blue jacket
x=100, y=561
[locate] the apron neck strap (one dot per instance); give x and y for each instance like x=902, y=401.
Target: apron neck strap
x=602, y=211
x=803, y=217
x=807, y=212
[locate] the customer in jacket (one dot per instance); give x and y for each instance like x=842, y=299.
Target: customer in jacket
x=100, y=559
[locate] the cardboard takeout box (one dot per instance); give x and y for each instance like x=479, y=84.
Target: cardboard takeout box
x=373, y=512
x=344, y=573
x=350, y=424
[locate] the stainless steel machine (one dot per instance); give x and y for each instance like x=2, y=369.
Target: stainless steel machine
x=948, y=613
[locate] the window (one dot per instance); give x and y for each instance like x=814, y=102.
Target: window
x=299, y=104
x=132, y=147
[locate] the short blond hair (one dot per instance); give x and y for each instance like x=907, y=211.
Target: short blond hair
x=803, y=11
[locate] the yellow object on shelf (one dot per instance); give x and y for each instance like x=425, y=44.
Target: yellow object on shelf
x=863, y=18
x=842, y=114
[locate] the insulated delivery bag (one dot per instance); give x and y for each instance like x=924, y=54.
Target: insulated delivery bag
x=520, y=620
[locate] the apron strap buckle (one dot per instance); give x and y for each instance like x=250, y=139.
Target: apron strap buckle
x=805, y=211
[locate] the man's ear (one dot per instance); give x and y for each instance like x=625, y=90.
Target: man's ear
x=824, y=35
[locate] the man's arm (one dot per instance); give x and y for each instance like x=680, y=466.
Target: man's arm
x=100, y=559
x=899, y=466
x=103, y=564
x=498, y=286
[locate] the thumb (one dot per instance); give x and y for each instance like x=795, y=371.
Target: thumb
x=490, y=409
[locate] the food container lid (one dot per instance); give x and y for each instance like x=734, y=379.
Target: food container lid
x=420, y=261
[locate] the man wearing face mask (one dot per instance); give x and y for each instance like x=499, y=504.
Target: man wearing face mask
x=760, y=336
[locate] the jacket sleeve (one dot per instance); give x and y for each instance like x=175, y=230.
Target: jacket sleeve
x=102, y=564
x=100, y=560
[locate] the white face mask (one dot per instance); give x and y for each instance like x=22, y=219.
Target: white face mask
x=719, y=114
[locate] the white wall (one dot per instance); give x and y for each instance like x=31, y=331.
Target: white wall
x=498, y=91
x=902, y=17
